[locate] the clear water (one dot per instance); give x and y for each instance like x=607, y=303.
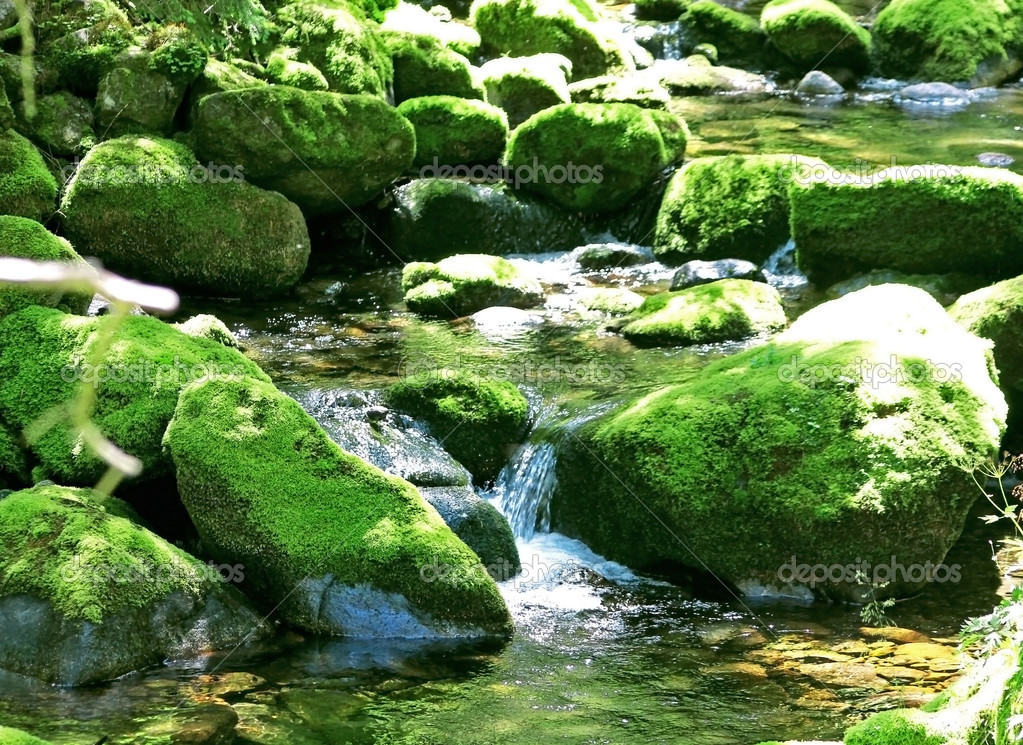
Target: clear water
x=599, y=655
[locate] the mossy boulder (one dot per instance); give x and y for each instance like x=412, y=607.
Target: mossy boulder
x=27, y=188
x=465, y=283
x=972, y=41
x=6, y=112
x=996, y=313
x=334, y=544
x=477, y=419
x=282, y=67
x=734, y=207
x=62, y=125
x=423, y=66
x=847, y=438
x=137, y=96
x=725, y=310
x=737, y=37
x=337, y=39
x=698, y=76
x=81, y=41
x=412, y=19
x=912, y=219
x=639, y=89
x=591, y=157
x=218, y=77
x=661, y=10
x=812, y=33
x=89, y=595
x=324, y=151
x=479, y=525
x=44, y=353
x=22, y=238
x=614, y=301
x=519, y=28
x=9, y=736
x=524, y=86
x=44, y=76
x=13, y=463
x=453, y=131
x=434, y=218
x=147, y=208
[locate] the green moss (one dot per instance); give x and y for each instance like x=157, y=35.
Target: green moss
x=475, y=418
x=719, y=311
x=82, y=40
x=43, y=352
x=13, y=465
x=634, y=89
x=425, y=67
x=661, y=10
x=812, y=33
x=10, y=736
x=891, y=728
x=947, y=40
x=797, y=448
x=26, y=239
x=62, y=125
x=412, y=19
x=27, y=188
x=615, y=149
x=218, y=77
x=328, y=152
x=737, y=37
x=613, y=300
x=453, y=131
x=523, y=86
x=176, y=53
x=266, y=487
x=283, y=68
x=68, y=546
x=465, y=283
x=912, y=219
x=205, y=326
x=519, y=28
x=735, y=207
x=996, y=313
x=148, y=209
x=336, y=38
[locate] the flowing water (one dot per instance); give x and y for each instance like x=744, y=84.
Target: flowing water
x=600, y=655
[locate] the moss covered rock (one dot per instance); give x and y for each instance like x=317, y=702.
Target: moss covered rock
x=737, y=37
x=137, y=96
x=847, y=438
x=812, y=33
x=89, y=595
x=698, y=76
x=81, y=41
x=996, y=313
x=9, y=736
x=22, y=238
x=735, y=207
x=62, y=126
x=639, y=89
x=423, y=66
x=433, y=218
x=950, y=40
x=463, y=284
x=336, y=38
x=719, y=311
x=524, y=86
x=411, y=19
x=335, y=544
x=912, y=219
x=44, y=352
x=325, y=152
x=452, y=130
x=147, y=208
x=478, y=420
x=479, y=525
x=591, y=157
x=612, y=300
x=282, y=67
x=218, y=77
x=661, y=10
x=13, y=463
x=27, y=188
x=519, y=28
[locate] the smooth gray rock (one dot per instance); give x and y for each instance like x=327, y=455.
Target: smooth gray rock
x=694, y=273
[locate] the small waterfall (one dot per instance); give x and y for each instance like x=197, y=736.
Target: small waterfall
x=781, y=267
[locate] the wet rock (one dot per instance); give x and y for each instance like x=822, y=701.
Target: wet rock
x=817, y=83
x=466, y=283
x=596, y=256
x=697, y=272
x=613, y=300
x=207, y=724
x=894, y=634
x=640, y=89
x=844, y=675
x=500, y=322
x=480, y=526
x=696, y=76
x=995, y=160
x=926, y=651
x=939, y=94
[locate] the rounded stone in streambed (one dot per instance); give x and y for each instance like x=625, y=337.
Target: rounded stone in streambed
x=697, y=272
x=480, y=526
